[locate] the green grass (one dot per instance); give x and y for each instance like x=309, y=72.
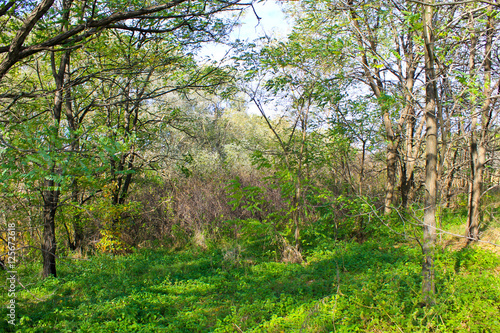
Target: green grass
x=344, y=287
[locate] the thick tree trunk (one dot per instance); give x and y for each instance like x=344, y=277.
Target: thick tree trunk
x=429, y=228
x=49, y=246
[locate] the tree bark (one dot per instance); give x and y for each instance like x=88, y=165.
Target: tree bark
x=362, y=168
x=478, y=140
x=49, y=246
x=51, y=192
x=408, y=165
x=367, y=40
x=14, y=50
x=449, y=178
x=478, y=158
x=429, y=228
x=392, y=158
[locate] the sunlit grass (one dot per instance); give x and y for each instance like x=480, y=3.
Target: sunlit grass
x=374, y=286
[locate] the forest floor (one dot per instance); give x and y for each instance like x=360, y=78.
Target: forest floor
x=344, y=286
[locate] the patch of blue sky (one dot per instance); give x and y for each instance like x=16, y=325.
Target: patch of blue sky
x=264, y=19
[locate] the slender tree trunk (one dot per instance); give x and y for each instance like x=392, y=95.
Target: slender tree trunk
x=51, y=200
x=406, y=185
x=429, y=228
x=478, y=141
x=74, y=125
x=406, y=169
x=473, y=198
x=77, y=226
x=450, y=177
x=51, y=191
x=376, y=85
x=392, y=157
x=407, y=165
x=412, y=191
x=362, y=168
x=478, y=156
x=406, y=174
x=299, y=183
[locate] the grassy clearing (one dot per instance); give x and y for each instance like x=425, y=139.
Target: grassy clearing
x=343, y=287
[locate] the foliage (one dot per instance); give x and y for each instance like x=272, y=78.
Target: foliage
x=266, y=232
x=110, y=242
x=120, y=148
x=345, y=286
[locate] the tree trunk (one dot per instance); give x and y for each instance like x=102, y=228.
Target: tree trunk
x=478, y=141
x=51, y=202
x=406, y=185
x=392, y=157
x=77, y=226
x=478, y=158
x=449, y=178
x=51, y=192
x=362, y=169
x=49, y=246
x=429, y=228
x=407, y=165
x=298, y=206
x=377, y=87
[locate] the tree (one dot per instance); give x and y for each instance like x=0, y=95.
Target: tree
x=431, y=153
x=481, y=118
x=78, y=23
x=91, y=18
x=373, y=45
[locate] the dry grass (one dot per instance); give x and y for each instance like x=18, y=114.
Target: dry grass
x=490, y=239
x=192, y=208
x=291, y=255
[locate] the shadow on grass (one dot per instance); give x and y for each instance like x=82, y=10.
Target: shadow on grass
x=193, y=292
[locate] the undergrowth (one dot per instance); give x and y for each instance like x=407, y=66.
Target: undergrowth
x=344, y=286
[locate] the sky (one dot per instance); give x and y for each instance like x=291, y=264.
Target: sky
x=272, y=23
